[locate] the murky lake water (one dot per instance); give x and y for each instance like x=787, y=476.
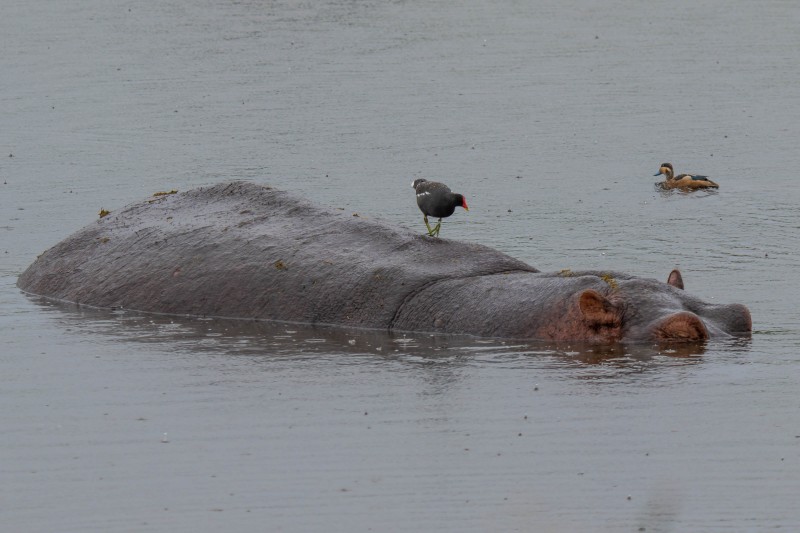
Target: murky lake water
x=551, y=117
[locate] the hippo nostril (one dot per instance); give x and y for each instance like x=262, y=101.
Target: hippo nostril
x=733, y=319
x=741, y=322
x=683, y=326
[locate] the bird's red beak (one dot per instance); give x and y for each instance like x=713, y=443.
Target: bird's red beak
x=464, y=204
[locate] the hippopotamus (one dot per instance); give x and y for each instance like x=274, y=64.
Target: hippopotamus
x=248, y=251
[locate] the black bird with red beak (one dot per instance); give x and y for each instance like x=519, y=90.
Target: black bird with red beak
x=436, y=200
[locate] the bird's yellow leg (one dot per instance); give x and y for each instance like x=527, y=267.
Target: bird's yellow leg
x=437, y=227
x=430, y=230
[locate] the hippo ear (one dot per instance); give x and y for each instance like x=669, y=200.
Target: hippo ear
x=675, y=279
x=597, y=310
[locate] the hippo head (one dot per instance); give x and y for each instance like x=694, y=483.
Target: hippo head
x=641, y=310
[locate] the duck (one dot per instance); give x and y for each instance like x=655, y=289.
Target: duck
x=436, y=200
x=683, y=181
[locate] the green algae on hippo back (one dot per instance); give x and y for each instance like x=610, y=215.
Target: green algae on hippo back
x=240, y=250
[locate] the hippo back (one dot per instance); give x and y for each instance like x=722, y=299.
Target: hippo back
x=248, y=251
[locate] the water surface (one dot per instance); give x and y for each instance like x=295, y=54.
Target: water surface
x=551, y=118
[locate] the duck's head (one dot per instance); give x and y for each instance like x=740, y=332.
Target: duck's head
x=666, y=170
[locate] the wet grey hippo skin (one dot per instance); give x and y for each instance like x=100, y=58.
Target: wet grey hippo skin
x=248, y=251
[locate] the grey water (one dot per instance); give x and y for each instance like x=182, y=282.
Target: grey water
x=550, y=117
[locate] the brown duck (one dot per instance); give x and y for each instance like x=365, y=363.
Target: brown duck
x=683, y=181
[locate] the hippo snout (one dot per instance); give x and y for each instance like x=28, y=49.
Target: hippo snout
x=727, y=320
x=717, y=321
x=734, y=318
